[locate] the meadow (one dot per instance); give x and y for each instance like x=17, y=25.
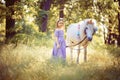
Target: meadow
x=25, y=62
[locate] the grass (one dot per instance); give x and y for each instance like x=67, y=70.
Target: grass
x=35, y=63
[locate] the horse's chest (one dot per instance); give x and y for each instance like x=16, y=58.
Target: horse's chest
x=85, y=42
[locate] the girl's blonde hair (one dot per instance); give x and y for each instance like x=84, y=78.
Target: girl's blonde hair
x=60, y=19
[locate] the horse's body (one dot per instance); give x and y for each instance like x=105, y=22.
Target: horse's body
x=80, y=34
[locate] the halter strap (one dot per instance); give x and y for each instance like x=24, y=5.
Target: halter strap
x=77, y=43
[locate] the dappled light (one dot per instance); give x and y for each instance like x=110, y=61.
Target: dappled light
x=27, y=62
x=28, y=38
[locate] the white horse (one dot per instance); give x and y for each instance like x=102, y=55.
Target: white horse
x=80, y=34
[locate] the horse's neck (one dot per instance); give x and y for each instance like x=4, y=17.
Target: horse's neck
x=82, y=30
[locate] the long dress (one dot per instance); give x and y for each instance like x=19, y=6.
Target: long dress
x=59, y=52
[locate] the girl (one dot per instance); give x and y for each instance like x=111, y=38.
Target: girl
x=59, y=49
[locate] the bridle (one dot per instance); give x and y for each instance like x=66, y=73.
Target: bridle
x=78, y=42
x=85, y=37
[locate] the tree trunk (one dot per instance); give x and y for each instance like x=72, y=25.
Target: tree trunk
x=109, y=36
x=10, y=22
x=45, y=5
x=61, y=13
x=109, y=39
x=118, y=40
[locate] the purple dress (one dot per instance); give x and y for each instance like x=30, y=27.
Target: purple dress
x=59, y=52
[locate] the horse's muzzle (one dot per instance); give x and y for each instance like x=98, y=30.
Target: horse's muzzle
x=89, y=38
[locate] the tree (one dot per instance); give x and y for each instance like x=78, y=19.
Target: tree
x=10, y=21
x=107, y=12
x=45, y=5
x=61, y=13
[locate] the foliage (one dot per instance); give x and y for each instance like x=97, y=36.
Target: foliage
x=2, y=12
x=78, y=10
x=25, y=15
x=28, y=14
x=107, y=9
x=2, y=22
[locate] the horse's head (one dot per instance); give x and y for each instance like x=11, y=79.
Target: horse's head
x=90, y=29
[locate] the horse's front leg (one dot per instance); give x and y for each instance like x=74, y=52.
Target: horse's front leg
x=78, y=54
x=85, y=54
x=71, y=53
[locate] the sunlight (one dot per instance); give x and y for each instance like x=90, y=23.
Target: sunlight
x=25, y=6
x=35, y=61
x=28, y=37
x=29, y=19
x=3, y=1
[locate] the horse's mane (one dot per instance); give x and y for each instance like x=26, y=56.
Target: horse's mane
x=93, y=21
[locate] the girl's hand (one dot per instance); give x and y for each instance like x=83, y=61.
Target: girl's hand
x=58, y=46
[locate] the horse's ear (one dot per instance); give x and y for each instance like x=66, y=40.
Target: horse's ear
x=90, y=22
x=85, y=30
x=95, y=29
x=87, y=22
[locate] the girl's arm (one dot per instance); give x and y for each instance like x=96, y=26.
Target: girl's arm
x=56, y=40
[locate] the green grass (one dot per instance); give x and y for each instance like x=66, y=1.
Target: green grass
x=35, y=63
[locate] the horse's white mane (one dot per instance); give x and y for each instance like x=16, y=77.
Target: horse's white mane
x=93, y=21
